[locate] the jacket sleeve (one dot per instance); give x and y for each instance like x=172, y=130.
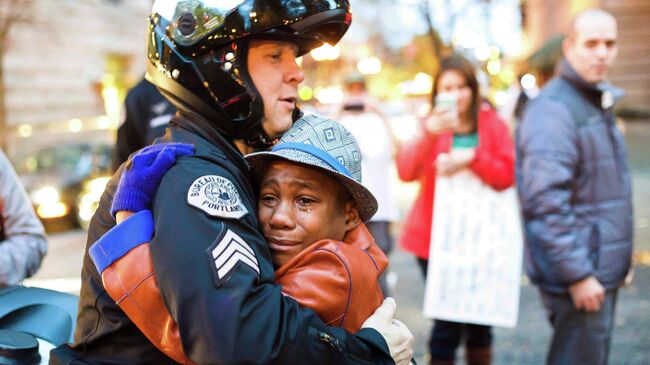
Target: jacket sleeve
x=24, y=246
x=494, y=161
x=549, y=156
x=413, y=156
x=232, y=312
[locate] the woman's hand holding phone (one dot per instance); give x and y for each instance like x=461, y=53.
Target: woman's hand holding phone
x=445, y=114
x=441, y=119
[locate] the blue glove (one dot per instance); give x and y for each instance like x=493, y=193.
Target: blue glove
x=143, y=173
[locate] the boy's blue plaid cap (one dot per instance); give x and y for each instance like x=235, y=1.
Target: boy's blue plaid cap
x=327, y=145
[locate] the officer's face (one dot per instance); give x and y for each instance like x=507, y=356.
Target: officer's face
x=275, y=73
x=592, y=47
x=299, y=206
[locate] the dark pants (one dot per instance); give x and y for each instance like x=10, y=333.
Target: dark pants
x=446, y=336
x=380, y=231
x=579, y=337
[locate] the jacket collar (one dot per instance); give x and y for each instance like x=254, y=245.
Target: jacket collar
x=602, y=94
x=207, y=139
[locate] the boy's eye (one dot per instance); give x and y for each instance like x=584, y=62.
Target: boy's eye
x=305, y=202
x=268, y=199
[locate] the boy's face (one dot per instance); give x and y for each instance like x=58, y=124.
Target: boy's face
x=299, y=206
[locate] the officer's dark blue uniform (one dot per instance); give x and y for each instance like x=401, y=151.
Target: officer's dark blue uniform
x=225, y=315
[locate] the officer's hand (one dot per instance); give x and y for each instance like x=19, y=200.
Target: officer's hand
x=395, y=333
x=587, y=294
x=143, y=173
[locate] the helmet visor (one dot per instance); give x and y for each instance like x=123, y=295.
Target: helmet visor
x=193, y=19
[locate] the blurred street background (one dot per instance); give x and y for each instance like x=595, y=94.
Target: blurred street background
x=65, y=67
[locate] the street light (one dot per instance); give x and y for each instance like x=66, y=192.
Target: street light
x=369, y=66
x=326, y=52
x=528, y=81
x=75, y=125
x=422, y=84
x=25, y=130
x=330, y=95
x=306, y=93
x=482, y=52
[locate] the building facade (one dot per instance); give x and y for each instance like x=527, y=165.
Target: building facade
x=69, y=63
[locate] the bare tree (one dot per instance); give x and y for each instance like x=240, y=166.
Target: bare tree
x=452, y=16
x=436, y=41
x=12, y=12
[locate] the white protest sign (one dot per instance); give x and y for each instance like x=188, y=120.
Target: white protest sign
x=475, y=256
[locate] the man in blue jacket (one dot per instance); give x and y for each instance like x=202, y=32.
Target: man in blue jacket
x=574, y=184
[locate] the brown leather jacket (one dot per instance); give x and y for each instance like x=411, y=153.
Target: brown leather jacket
x=338, y=280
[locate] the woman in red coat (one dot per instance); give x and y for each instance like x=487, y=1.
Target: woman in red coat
x=482, y=143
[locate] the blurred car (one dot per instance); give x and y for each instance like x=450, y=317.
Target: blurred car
x=64, y=181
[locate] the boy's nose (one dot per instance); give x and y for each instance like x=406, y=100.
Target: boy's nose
x=282, y=217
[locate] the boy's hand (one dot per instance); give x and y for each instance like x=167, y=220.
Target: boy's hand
x=395, y=333
x=143, y=173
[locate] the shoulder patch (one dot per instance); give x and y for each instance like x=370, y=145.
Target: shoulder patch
x=216, y=196
x=229, y=253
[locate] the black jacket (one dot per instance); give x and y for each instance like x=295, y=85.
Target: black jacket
x=215, y=274
x=146, y=116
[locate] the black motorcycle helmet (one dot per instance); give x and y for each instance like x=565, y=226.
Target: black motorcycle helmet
x=197, y=52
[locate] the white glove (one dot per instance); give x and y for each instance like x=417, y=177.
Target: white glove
x=395, y=333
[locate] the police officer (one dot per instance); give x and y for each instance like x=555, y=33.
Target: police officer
x=146, y=116
x=231, y=73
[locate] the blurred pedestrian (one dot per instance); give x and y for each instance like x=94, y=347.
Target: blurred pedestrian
x=575, y=191
x=146, y=116
x=361, y=115
x=518, y=97
x=22, y=236
x=468, y=135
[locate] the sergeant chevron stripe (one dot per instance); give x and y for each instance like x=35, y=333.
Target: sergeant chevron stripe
x=230, y=251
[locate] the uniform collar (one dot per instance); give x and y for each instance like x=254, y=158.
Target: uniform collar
x=207, y=139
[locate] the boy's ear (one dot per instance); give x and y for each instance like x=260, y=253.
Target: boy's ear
x=352, y=218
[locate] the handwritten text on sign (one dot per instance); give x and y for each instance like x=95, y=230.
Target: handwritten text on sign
x=475, y=257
